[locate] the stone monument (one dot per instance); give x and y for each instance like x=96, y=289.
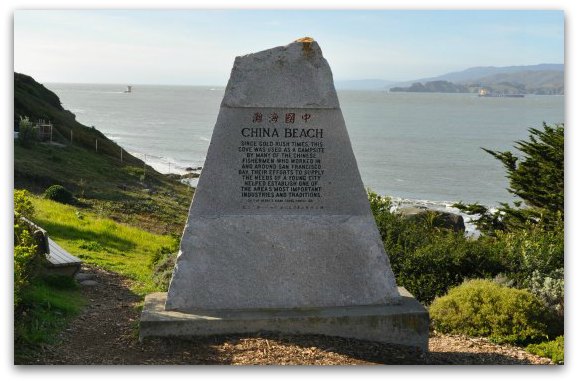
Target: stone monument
x=280, y=235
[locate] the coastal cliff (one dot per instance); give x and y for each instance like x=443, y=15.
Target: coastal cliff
x=124, y=187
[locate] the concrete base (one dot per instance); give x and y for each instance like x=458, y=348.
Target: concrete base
x=406, y=323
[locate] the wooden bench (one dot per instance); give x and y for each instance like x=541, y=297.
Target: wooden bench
x=58, y=260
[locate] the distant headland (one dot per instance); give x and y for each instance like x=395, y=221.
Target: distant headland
x=541, y=79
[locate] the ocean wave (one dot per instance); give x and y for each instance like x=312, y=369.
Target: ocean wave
x=165, y=165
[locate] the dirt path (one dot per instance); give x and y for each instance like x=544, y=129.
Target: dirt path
x=107, y=333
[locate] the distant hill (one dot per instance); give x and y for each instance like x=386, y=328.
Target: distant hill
x=529, y=79
x=529, y=82
x=475, y=73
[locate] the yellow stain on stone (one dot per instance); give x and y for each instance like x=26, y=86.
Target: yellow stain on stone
x=306, y=44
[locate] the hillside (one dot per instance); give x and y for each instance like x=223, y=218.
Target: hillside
x=127, y=191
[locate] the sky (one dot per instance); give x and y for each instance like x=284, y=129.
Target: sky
x=198, y=47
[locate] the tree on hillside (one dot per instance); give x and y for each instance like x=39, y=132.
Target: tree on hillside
x=537, y=178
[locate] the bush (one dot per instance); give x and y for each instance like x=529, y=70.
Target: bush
x=484, y=308
x=26, y=256
x=432, y=269
x=550, y=289
x=22, y=204
x=59, y=193
x=428, y=260
x=25, y=260
x=532, y=249
x=534, y=260
x=27, y=135
x=553, y=350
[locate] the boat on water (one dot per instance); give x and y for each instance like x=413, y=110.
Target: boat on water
x=485, y=93
x=128, y=89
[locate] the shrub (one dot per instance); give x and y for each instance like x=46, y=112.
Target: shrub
x=22, y=204
x=550, y=289
x=432, y=269
x=534, y=260
x=26, y=256
x=428, y=260
x=25, y=260
x=59, y=193
x=532, y=249
x=27, y=135
x=484, y=308
x=553, y=350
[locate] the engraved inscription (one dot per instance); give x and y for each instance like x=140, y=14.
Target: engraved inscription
x=281, y=164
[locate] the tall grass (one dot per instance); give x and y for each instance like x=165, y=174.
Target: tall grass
x=44, y=311
x=102, y=242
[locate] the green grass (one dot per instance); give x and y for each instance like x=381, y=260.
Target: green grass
x=47, y=305
x=154, y=202
x=103, y=242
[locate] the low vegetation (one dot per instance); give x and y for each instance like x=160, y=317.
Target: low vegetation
x=428, y=260
x=485, y=308
x=103, y=242
x=45, y=307
x=135, y=195
x=59, y=193
x=553, y=349
x=162, y=265
x=26, y=255
x=43, y=304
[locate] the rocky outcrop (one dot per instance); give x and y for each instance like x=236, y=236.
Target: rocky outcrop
x=441, y=219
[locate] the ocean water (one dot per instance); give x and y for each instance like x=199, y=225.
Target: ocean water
x=419, y=148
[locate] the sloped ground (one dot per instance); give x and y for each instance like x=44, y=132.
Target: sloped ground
x=107, y=333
